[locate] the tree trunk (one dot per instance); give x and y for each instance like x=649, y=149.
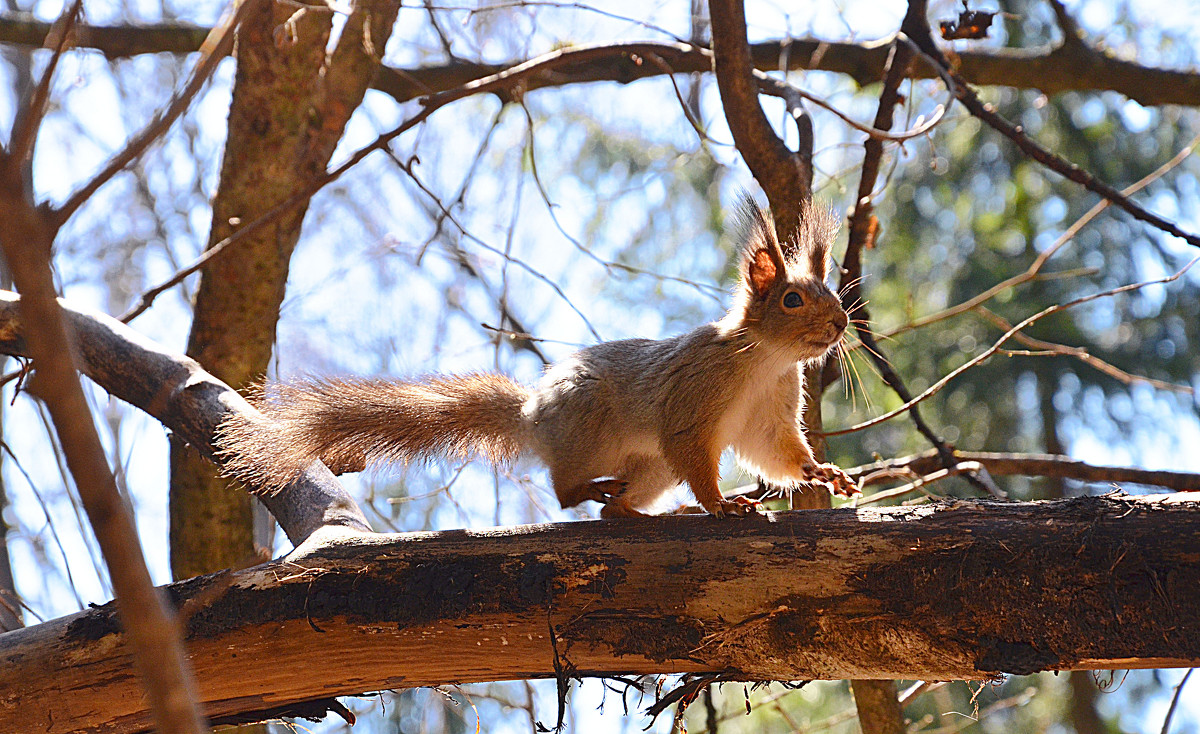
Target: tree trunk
x=237, y=303
x=878, y=708
x=962, y=590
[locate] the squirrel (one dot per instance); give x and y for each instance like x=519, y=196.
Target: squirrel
x=621, y=422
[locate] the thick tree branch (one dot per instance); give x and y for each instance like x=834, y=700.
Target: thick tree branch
x=940, y=592
x=115, y=42
x=1052, y=70
x=786, y=177
x=177, y=391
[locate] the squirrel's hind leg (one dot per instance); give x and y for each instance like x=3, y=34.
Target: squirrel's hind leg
x=637, y=484
x=608, y=491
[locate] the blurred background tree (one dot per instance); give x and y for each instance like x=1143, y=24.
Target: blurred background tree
x=505, y=232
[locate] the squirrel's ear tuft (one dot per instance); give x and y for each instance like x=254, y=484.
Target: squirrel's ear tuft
x=819, y=224
x=762, y=257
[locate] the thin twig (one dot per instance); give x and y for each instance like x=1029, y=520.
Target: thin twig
x=937, y=386
x=29, y=120
x=66, y=560
x=1051, y=349
x=705, y=289
x=862, y=228
x=1166, y=727
x=507, y=80
x=1015, y=133
x=779, y=88
x=1034, y=272
x=1039, y=465
x=408, y=169
x=215, y=48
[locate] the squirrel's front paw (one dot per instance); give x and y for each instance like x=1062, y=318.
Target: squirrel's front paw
x=835, y=480
x=737, y=506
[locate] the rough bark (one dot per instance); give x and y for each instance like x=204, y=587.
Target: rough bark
x=237, y=302
x=954, y=591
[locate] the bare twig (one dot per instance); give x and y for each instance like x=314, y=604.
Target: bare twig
x=1050, y=69
x=1015, y=133
x=686, y=692
x=1082, y=354
x=705, y=289
x=408, y=169
x=918, y=483
x=66, y=560
x=1034, y=272
x=1166, y=727
x=1019, y=699
x=215, y=48
x=919, y=688
x=29, y=119
x=508, y=81
x=862, y=228
x=1039, y=465
x=778, y=88
x=937, y=386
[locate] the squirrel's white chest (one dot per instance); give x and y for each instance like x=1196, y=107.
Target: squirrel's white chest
x=757, y=406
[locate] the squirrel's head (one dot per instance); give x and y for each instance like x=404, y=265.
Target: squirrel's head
x=783, y=301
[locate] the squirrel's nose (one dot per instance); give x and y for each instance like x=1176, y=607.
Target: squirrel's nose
x=839, y=321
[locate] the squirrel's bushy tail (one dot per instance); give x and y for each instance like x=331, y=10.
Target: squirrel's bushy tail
x=348, y=423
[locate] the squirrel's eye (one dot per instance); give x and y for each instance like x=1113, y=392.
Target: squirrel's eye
x=792, y=300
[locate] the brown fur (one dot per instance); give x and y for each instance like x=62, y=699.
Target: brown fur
x=620, y=422
x=349, y=423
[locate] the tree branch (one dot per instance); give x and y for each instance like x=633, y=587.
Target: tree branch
x=1033, y=465
x=962, y=590
x=177, y=391
x=214, y=48
x=29, y=117
x=163, y=674
x=786, y=177
x=987, y=353
x=1015, y=133
x=1050, y=69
